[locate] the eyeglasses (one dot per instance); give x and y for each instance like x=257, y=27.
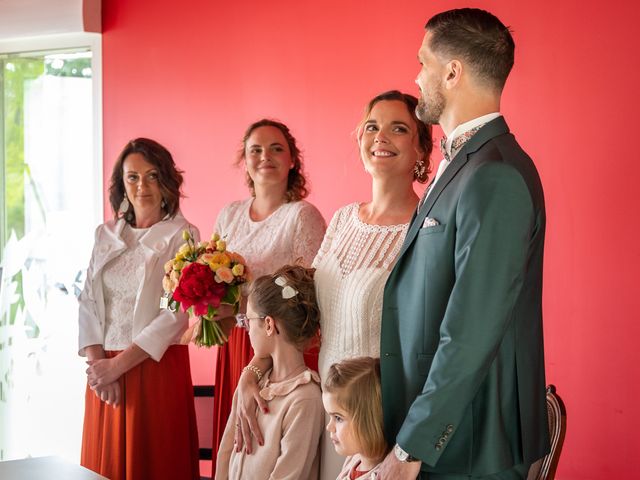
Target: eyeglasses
x=242, y=321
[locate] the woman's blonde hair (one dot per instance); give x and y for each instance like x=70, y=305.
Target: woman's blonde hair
x=355, y=384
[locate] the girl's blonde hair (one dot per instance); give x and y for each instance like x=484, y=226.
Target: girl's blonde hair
x=355, y=384
x=298, y=314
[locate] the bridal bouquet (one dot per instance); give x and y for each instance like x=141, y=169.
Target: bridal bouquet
x=199, y=279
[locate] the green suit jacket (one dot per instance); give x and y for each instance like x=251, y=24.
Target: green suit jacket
x=462, y=362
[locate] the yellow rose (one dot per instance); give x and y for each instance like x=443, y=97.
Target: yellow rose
x=215, y=237
x=186, y=236
x=221, y=245
x=178, y=265
x=184, y=250
x=219, y=259
x=224, y=274
x=238, y=269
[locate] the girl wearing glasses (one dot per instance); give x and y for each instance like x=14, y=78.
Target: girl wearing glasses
x=282, y=319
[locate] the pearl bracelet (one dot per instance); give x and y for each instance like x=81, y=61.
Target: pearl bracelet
x=254, y=369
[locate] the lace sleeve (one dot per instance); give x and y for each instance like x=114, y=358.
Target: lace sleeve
x=328, y=237
x=310, y=227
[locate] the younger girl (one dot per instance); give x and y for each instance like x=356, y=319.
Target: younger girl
x=282, y=317
x=352, y=398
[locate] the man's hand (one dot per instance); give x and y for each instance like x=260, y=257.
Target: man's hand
x=393, y=469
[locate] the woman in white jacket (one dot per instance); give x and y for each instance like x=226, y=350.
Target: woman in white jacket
x=139, y=414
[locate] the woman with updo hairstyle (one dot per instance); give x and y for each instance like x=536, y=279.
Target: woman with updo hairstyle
x=282, y=319
x=139, y=417
x=275, y=226
x=362, y=243
x=363, y=239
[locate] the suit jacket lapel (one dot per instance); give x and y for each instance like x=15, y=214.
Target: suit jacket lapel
x=492, y=129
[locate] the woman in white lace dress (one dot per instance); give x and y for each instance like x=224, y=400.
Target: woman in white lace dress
x=272, y=228
x=139, y=412
x=363, y=239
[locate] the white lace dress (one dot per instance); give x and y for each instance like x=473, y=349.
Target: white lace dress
x=352, y=267
x=122, y=277
x=293, y=231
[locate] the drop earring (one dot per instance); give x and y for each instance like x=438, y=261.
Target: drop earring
x=163, y=204
x=124, y=205
x=418, y=169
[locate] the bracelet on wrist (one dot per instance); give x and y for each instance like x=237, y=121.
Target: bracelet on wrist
x=254, y=369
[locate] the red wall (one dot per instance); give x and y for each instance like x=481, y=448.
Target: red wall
x=193, y=76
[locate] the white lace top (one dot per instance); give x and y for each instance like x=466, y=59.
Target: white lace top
x=121, y=278
x=293, y=231
x=352, y=266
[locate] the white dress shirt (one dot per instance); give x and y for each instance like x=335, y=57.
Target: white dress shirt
x=459, y=130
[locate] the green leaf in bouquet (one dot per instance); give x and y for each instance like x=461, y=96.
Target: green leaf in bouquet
x=232, y=295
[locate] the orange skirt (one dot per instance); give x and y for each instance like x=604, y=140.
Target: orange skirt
x=232, y=357
x=152, y=433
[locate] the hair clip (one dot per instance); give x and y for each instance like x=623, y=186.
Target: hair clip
x=287, y=290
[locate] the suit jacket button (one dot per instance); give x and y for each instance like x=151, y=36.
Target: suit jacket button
x=438, y=446
x=449, y=428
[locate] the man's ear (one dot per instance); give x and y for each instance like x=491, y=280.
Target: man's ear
x=453, y=73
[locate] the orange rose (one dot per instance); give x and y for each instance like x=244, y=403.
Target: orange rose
x=224, y=274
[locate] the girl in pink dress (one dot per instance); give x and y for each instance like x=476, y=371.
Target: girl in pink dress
x=282, y=318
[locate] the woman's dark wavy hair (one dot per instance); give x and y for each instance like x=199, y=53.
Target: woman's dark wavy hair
x=425, y=139
x=296, y=182
x=169, y=177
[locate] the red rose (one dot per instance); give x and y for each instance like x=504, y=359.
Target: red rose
x=198, y=288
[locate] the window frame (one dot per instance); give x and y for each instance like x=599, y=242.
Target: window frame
x=46, y=43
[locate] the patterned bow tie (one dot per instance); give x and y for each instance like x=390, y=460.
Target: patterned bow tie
x=458, y=142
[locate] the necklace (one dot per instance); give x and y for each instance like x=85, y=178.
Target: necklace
x=293, y=373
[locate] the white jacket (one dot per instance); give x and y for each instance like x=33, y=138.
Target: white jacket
x=154, y=330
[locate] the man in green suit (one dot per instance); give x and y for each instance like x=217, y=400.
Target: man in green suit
x=463, y=385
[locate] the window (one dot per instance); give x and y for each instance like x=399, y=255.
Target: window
x=50, y=203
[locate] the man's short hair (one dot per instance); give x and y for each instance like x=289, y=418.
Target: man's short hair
x=478, y=38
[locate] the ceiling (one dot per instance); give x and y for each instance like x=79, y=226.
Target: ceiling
x=31, y=18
